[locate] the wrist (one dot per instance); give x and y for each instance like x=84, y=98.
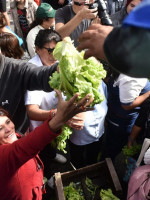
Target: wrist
x=79, y=16
x=55, y=125
x=52, y=113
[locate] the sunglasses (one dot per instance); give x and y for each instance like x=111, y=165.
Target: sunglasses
x=80, y=4
x=50, y=50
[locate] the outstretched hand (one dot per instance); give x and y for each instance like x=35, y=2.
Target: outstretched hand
x=93, y=39
x=67, y=109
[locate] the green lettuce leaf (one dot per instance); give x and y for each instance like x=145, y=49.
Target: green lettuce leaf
x=75, y=73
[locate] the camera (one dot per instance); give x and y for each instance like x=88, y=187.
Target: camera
x=102, y=12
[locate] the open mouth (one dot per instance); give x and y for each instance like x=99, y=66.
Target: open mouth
x=10, y=135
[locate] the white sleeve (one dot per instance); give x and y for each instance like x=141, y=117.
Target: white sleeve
x=33, y=97
x=30, y=43
x=147, y=157
x=130, y=88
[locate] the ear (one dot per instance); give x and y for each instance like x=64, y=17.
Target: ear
x=36, y=49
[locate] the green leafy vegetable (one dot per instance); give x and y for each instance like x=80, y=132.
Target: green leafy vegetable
x=60, y=141
x=130, y=152
x=75, y=75
x=91, y=187
x=107, y=195
x=72, y=193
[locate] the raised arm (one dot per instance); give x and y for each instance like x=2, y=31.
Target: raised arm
x=20, y=151
x=65, y=29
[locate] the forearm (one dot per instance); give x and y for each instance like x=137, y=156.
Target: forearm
x=137, y=102
x=135, y=132
x=37, y=114
x=66, y=29
x=36, y=78
x=7, y=18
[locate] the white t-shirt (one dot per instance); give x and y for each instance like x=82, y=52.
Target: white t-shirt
x=129, y=87
x=45, y=100
x=31, y=39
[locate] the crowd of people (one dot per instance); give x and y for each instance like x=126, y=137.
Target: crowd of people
x=32, y=113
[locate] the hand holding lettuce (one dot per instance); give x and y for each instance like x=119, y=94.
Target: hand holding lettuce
x=76, y=75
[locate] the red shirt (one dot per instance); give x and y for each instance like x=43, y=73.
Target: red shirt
x=21, y=170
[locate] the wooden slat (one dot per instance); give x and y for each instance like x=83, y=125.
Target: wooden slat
x=59, y=186
x=113, y=175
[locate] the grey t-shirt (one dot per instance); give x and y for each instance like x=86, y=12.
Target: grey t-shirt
x=65, y=14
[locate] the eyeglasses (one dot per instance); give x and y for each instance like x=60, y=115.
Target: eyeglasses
x=80, y=4
x=50, y=50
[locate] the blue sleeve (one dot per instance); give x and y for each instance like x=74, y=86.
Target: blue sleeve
x=19, y=39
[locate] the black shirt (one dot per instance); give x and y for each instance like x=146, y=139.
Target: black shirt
x=2, y=5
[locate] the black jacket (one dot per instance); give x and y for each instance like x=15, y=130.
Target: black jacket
x=15, y=78
x=127, y=49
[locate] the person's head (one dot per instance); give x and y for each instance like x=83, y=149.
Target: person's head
x=81, y=3
x=131, y=4
x=45, y=43
x=9, y=46
x=45, y=16
x=3, y=21
x=20, y=1
x=7, y=128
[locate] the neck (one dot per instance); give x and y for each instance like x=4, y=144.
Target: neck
x=48, y=62
x=76, y=8
x=45, y=26
x=21, y=5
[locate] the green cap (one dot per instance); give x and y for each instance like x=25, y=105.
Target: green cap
x=45, y=11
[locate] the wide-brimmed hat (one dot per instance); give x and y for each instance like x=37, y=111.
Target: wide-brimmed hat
x=45, y=11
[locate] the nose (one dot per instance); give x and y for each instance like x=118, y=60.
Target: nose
x=7, y=129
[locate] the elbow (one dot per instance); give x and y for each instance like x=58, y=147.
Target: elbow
x=127, y=107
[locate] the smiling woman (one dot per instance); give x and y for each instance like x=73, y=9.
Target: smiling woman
x=21, y=168
x=7, y=129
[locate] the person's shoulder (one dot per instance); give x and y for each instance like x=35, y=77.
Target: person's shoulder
x=36, y=60
x=64, y=9
x=33, y=31
x=118, y=17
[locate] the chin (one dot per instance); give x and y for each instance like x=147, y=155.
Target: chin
x=12, y=139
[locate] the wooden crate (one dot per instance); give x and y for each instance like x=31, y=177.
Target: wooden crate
x=102, y=174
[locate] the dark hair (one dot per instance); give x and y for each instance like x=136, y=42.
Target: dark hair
x=3, y=112
x=36, y=22
x=3, y=21
x=45, y=36
x=9, y=46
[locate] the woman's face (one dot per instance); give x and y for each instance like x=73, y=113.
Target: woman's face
x=50, y=22
x=132, y=4
x=7, y=131
x=46, y=53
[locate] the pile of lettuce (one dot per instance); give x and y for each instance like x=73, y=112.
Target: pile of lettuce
x=76, y=75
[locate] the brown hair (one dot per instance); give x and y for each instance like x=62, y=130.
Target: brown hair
x=9, y=46
x=3, y=112
x=3, y=21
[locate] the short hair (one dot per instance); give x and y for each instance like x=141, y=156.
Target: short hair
x=46, y=36
x=3, y=21
x=9, y=46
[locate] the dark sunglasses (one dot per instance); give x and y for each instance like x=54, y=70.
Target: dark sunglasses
x=80, y=4
x=50, y=50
